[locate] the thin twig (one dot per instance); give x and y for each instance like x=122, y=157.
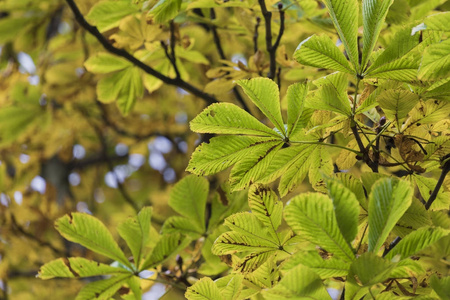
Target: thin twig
x=110, y=165
x=146, y=68
x=272, y=48
x=255, y=35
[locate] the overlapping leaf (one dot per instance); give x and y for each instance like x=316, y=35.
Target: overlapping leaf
x=299, y=283
x=136, y=231
x=253, y=233
x=225, y=288
x=188, y=198
x=167, y=246
x=388, y=201
x=435, y=63
x=103, y=289
x=258, y=156
x=312, y=215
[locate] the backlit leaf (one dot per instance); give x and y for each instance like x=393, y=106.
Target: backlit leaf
x=89, y=232
x=388, y=201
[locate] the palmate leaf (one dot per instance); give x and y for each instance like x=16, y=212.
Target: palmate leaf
x=254, y=233
x=346, y=208
x=299, y=283
x=89, y=232
x=75, y=267
x=135, y=231
x=227, y=118
x=374, y=13
x=312, y=215
x=435, y=63
x=344, y=15
x=265, y=276
x=417, y=241
x=388, y=201
x=265, y=95
x=325, y=268
x=321, y=52
x=104, y=63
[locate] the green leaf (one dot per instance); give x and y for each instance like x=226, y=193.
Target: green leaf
x=76, y=267
x=320, y=165
x=167, y=245
x=417, y=241
x=252, y=168
x=227, y=118
x=296, y=94
x=103, y=289
x=437, y=22
x=295, y=168
x=265, y=95
x=344, y=15
x=223, y=152
x=397, y=103
x=365, y=271
x=374, y=13
x=312, y=215
x=165, y=10
x=132, y=89
x=435, y=63
x=204, y=289
x=332, y=95
x=106, y=15
x=89, y=232
x=265, y=205
x=188, y=198
x=299, y=283
x=135, y=288
x=182, y=225
x=103, y=63
x=441, y=286
x=135, y=231
x=398, y=61
x=346, y=208
x=321, y=52
x=388, y=201
x=355, y=186
x=230, y=286
x=325, y=268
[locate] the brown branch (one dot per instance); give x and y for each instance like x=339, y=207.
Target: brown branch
x=255, y=35
x=391, y=246
x=272, y=48
x=146, y=68
x=445, y=170
x=219, y=48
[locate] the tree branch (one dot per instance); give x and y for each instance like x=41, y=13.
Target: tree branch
x=445, y=170
x=272, y=48
x=146, y=68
